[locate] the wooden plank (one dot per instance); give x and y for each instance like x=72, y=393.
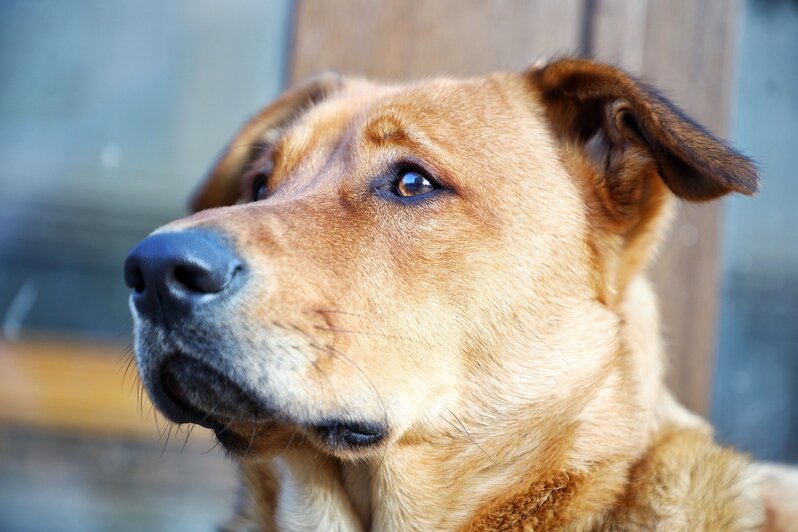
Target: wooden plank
x=618, y=32
x=77, y=388
x=397, y=39
x=687, y=48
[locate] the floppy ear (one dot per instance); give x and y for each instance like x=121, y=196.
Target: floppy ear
x=629, y=146
x=610, y=111
x=222, y=184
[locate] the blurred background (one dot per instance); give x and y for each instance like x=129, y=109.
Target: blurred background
x=111, y=111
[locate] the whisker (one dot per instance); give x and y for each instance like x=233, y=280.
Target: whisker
x=168, y=435
x=208, y=415
x=140, y=398
x=362, y=374
x=367, y=333
x=257, y=432
x=557, y=353
x=336, y=311
x=131, y=387
x=130, y=363
x=312, y=363
x=188, y=435
x=464, y=431
x=290, y=441
x=379, y=466
x=155, y=417
x=227, y=427
x=127, y=354
x=251, y=440
x=376, y=393
x=215, y=445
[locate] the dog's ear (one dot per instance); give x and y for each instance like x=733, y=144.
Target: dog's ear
x=222, y=186
x=610, y=113
x=632, y=150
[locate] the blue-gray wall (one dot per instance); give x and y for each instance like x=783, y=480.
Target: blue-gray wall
x=755, y=389
x=110, y=112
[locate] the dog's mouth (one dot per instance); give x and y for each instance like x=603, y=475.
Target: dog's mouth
x=192, y=391
x=338, y=434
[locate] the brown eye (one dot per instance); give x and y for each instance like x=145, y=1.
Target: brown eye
x=411, y=183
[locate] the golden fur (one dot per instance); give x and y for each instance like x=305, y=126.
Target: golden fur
x=503, y=331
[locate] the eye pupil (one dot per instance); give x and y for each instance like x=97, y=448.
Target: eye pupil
x=412, y=183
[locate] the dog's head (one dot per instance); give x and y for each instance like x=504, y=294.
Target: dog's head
x=368, y=261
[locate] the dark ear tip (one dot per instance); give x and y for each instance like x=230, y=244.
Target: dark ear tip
x=747, y=180
x=750, y=186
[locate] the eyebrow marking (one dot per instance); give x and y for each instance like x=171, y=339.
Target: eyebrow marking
x=386, y=129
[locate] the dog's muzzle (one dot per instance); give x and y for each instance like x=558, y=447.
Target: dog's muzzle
x=179, y=282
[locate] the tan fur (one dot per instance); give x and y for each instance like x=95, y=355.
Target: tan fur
x=503, y=332
x=686, y=482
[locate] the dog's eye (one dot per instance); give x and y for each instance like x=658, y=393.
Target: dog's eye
x=259, y=188
x=412, y=183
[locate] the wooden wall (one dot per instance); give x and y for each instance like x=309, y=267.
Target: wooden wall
x=685, y=47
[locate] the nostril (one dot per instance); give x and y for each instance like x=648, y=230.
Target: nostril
x=204, y=278
x=138, y=284
x=186, y=278
x=198, y=279
x=134, y=277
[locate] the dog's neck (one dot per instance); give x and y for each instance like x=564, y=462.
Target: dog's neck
x=466, y=474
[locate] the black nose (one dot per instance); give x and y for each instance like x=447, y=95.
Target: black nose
x=175, y=273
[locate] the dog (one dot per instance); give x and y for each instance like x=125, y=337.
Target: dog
x=423, y=307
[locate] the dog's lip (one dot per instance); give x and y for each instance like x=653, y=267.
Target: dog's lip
x=189, y=390
x=343, y=434
x=196, y=392
x=187, y=412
